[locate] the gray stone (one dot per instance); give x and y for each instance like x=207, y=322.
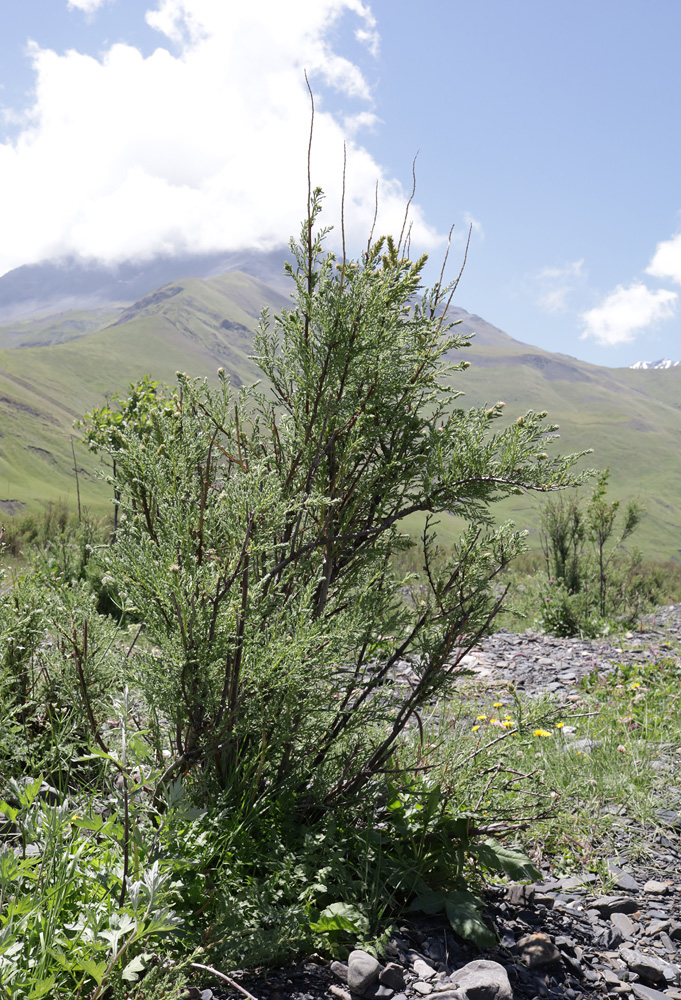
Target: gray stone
x=649, y=968
x=392, y=976
x=586, y=745
x=571, y=883
x=655, y=888
x=520, y=895
x=363, y=970
x=667, y=943
x=656, y=927
x=623, y=923
x=340, y=970
x=611, y=937
x=624, y=881
x=423, y=970
x=480, y=980
x=337, y=991
x=421, y=987
x=378, y=992
x=647, y=993
x=669, y=818
x=607, y=905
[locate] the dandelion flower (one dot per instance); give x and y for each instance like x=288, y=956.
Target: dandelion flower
x=635, y=685
x=541, y=732
x=507, y=723
x=481, y=718
x=559, y=725
x=498, y=704
x=494, y=722
x=475, y=729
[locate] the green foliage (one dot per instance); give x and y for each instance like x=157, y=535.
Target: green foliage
x=590, y=592
x=257, y=529
x=248, y=756
x=60, y=928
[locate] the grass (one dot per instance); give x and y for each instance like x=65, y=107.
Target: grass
x=573, y=767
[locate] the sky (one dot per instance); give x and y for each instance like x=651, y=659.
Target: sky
x=550, y=131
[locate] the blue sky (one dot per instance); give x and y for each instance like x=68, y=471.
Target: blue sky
x=131, y=127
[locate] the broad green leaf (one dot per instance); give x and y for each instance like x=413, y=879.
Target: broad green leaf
x=463, y=915
x=428, y=901
x=87, y=822
x=496, y=857
x=340, y=917
x=132, y=970
x=30, y=792
x=94, y=969
x=9, y=811
x=42, y=988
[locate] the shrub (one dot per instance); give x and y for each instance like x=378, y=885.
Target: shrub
x=257, y=528
x=594, y=584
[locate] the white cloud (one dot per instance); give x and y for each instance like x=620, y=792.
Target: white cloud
x=87, y=6
x=625, y=312
x=199, y=147
x=473, y=224
x=557, y=283
x=666, y=262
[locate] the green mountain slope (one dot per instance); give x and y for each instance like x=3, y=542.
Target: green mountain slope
x=632, y=424
x=632, y=419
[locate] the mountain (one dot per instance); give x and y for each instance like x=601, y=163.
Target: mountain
x=55, y=366
x=662, y=363
x=73, y=283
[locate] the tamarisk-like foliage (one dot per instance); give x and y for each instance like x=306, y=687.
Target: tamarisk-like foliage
x=258, y=527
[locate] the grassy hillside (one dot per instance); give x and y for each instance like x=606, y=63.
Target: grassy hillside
x=52, y=369
x=632, y=423
x=191, y=326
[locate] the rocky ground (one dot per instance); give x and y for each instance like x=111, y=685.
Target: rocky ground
x=560, y=938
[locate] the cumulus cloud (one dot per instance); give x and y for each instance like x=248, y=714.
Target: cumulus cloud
x=626, y=312
x=557, y=283
x=666, y=262
x=200, y=146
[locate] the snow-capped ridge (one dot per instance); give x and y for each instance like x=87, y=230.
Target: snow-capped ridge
x=662, y=363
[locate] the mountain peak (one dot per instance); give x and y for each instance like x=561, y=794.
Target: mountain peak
x=662, y=363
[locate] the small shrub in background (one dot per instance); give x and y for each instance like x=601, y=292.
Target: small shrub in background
x=594, y=585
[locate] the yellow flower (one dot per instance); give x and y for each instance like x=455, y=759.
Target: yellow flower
x=498, y=704
x=494, y=722
x=559, y=725
x=635, y=685
x=541, y=732
x=475, y=729
x=507, y=724
x=481, y=718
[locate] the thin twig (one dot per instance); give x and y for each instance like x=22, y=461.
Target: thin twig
x=373, y=224
x=221, y=975
x=411, y=198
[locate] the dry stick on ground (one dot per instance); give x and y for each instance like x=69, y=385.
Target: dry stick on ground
x=221, y=975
